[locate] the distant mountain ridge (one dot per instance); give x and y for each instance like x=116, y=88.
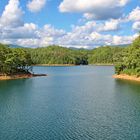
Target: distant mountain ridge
x=72, y=48
x=124, y=45
x=15, y=46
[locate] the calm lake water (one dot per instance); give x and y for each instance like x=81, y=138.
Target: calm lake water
x=72, y=103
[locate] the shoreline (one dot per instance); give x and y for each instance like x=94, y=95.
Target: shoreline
x=19, y=76
x=101, y=64
x=127, y=77
x=61, y=65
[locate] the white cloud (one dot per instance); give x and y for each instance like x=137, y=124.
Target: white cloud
x=87, y=36
x=86, y=28
x=90, y=26
x=111, y=39
x=69, y=39
x=90, y=34
x=135, y=14
x=99, y=9
x=123, y=2
x=12, y=15
x=136, y=26
x=35, y=42
x=49, y=30
x=4, y=41
x=116, y=40
x=12, y=25
x=30, y=35
x=28, y=30
x=88, y=16
x=36, y=5
x=28, y=42
x=111, y=25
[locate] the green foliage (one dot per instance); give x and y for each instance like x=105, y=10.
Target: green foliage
x=130, y=60
x=14, y=60
x=58, y=55
x=61, y=55
x=104, y=55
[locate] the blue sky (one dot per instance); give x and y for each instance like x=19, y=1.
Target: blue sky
x=69, y=23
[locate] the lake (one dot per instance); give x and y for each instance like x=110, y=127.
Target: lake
x=71, y=103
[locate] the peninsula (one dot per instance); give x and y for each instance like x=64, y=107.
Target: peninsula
x=15, y=63
x=128, y=66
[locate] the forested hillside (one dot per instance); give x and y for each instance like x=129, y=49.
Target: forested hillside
x=129, y=59
x=104, y=55
x=61, y=55
x=14, y=61
x=126, y=59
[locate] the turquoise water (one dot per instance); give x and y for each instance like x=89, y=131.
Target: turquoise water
x=72, y=103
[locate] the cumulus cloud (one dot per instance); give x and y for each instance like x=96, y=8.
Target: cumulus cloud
x=12, y=15
x=12, y=25
x=30, y=35
x=28, y=30
x=49, y=30
x=94, y=39
x=29, y=42
x=88, y=16
x=111, y=39
x=106, y=26
x=36, y=5
x=88, y=35
x=111, y=25
x=136, y=26
x=98, y=9
x=76, y=38
x=134, y=17
x=135, y=14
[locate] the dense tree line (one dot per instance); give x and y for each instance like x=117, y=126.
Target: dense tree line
x=129, y=59
x=61, y=55
x=104, y=55
x=14, y=60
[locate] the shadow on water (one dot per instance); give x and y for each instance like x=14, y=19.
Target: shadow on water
x=12, y=92
x=9, y=85
x=131, y=86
